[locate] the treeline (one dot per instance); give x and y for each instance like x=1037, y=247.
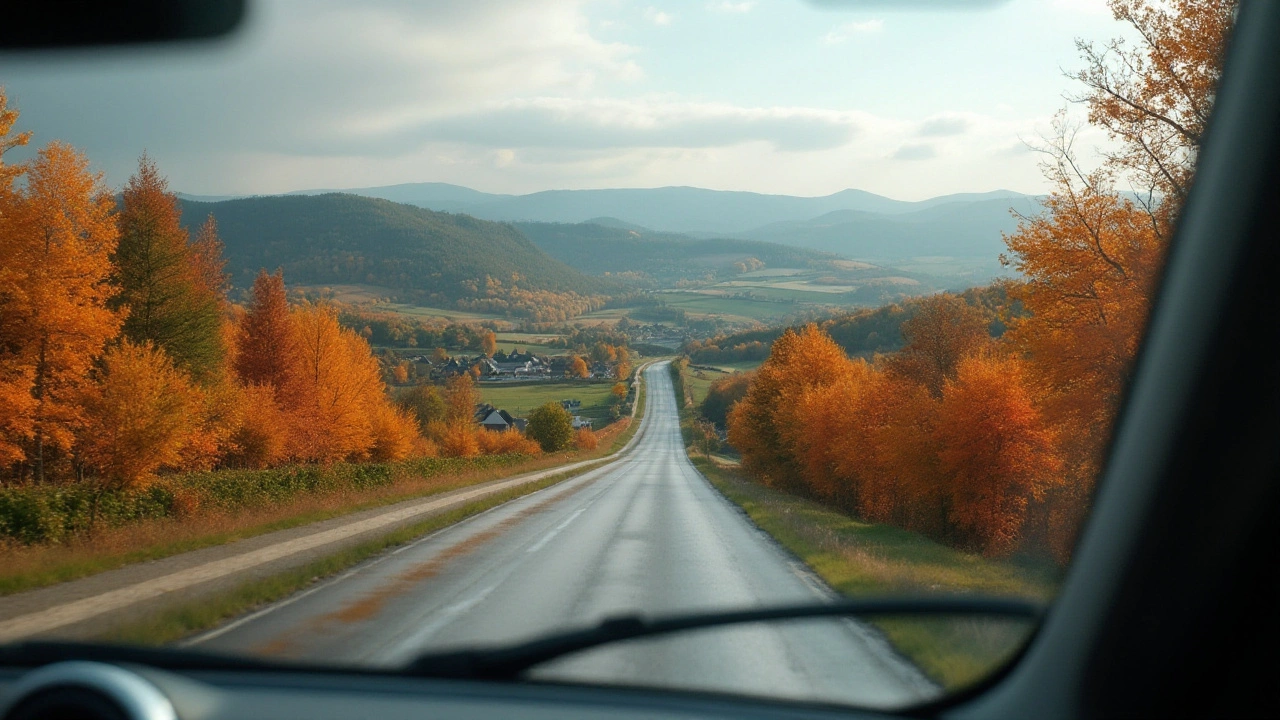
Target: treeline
x=994, y=444
x=393, y=330
x=862, y=332
x=121, y=358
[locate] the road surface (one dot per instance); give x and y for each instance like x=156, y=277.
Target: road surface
x=646, y=533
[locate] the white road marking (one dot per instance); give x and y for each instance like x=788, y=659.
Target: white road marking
x=556, y=530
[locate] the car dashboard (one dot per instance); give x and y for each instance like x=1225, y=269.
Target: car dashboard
x=108, y=691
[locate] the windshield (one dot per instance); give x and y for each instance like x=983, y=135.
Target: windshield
x=383, y=329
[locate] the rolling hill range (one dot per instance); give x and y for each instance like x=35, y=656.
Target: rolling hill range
x=339, y=239
x=956, y=236
x=956, y=229
x=667, y=209
x=607, y=245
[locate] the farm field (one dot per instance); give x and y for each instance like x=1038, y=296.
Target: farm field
x=441, y=313
x=740, y=366
x=699, y=382
x=520, y=400
x=528, y=342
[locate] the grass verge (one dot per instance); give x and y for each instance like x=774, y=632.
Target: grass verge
x=195, y=616
x=858, y=558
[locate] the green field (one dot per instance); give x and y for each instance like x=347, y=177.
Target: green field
x=520, y=400
x=458, y=316
x=741, y=366
x=699, y=381
x=733, y=309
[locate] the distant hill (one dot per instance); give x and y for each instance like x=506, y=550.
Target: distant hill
x=666, y=258
x=969, y=229
x=666, y=209
x=342, y=239
x=951, y=235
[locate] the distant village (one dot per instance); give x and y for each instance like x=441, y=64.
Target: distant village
x=517, y=366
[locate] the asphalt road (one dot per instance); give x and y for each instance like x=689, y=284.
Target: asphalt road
x=646, y=533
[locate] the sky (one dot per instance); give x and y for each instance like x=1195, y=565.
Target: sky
x=906, y=98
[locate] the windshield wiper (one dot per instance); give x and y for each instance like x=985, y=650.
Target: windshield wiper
x=510, y=662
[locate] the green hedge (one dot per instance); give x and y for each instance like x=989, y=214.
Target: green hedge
x=54, y=513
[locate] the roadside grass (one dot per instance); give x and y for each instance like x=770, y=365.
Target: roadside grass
x=27, y=567
x=188, y=618
x=521, y=399
x=859, y=559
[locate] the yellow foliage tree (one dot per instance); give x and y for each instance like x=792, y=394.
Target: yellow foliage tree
x=139, y=416
x=332, y=386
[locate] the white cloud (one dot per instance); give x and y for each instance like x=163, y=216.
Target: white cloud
x=657, y=17
x=1091, y=7
x=843, y=32
x=575, y=124
x=916, y=152
x=727, y=6
x=944, y=125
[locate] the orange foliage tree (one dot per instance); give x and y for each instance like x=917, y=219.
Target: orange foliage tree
x=264, y=346
x=56, y=236
x=332, y=387
x=578, y=368
x=994, y=451
x=1091, y=258
x=944, y=330
x=763, y=422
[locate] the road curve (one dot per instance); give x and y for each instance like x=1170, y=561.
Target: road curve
x=646, y=533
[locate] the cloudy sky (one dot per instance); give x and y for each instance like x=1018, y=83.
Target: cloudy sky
x=906, y=98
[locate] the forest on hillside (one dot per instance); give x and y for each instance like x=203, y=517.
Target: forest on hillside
x=425, y=257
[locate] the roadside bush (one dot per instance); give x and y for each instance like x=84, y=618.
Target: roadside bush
x=552, y=426
x=507, y=442
x=584, y=439
x=55, y=513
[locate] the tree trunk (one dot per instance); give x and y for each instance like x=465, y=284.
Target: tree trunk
x=38, y=392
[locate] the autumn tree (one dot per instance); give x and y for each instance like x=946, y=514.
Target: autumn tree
x=262, y=437
x=995, y=452
x=139, y=416
x=394, y=432
x=944, y=330
x=551, y=426
x=15, y=381
x=168, y=287
x=722, y=394
x=332, y=388
x=488, y=343
x=1154, y=96
x=578, y=368
x=426, y=404
x=208, y=264
x=461, y=399
x=1091, y=258
x=762, y=424
x=56, y=235
x=619, y=391
x=264, y=347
